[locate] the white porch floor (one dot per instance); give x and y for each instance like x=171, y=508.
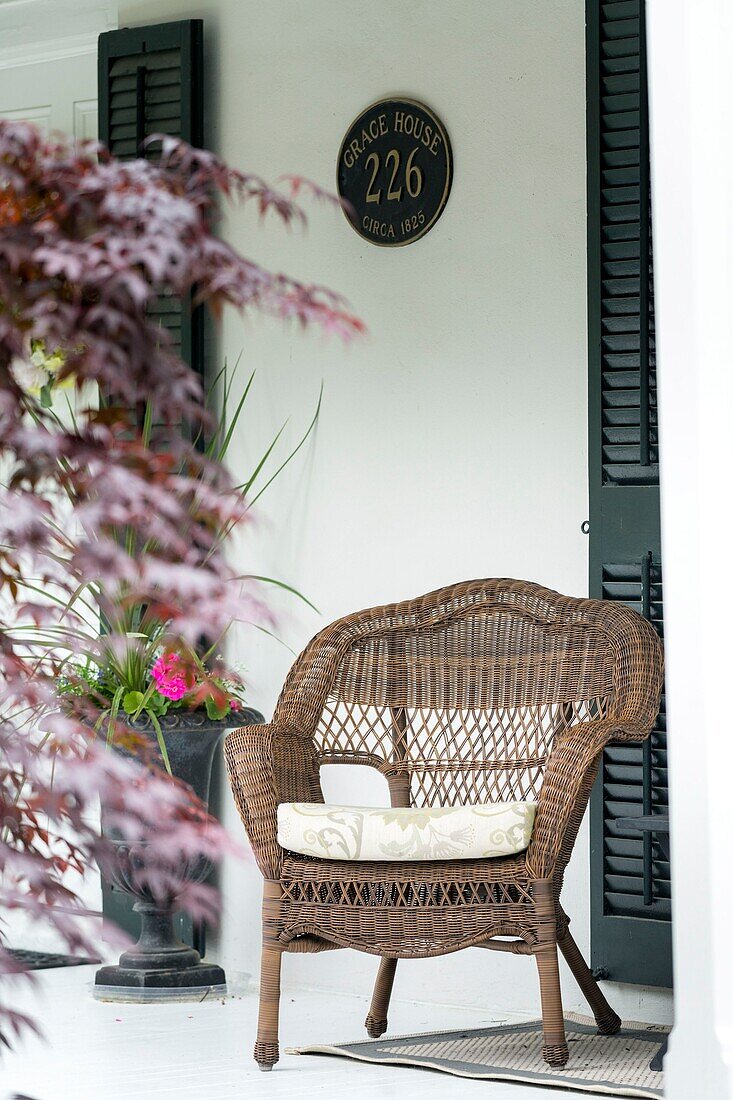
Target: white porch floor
x=98, y=1051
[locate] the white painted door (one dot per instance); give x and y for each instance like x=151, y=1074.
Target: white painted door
x=58, y=95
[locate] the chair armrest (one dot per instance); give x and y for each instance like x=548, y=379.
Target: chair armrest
x=268, y=765
x=569, y=775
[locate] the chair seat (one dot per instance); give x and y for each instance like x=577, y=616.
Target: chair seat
x=481, y=831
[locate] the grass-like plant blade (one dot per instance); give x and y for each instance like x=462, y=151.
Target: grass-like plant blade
x=293, y=453
x=276, y=637
x=113, y=712
x=147, y=428
x=279, y=584
x=245, y=486
x=161, y=741
x=235, y=418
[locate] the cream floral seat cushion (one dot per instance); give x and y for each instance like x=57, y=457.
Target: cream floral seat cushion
x=365, y=833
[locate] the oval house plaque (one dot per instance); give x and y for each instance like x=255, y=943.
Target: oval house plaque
x=394, y=171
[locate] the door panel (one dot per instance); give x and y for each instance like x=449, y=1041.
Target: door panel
x=59, y=96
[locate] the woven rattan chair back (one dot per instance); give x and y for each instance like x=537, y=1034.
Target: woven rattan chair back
x=458, y=697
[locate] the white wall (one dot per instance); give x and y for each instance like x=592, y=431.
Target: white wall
x=452, y=442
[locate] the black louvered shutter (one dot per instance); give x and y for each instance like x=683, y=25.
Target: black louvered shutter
x=151, y=82
x=630, y=876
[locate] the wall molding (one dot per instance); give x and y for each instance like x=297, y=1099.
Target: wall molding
x=41, y=31
x=43, y=52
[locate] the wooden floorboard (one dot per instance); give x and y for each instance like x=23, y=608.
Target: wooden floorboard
x=202, y=1051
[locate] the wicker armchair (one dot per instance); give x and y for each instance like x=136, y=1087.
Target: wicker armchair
x=485, y=691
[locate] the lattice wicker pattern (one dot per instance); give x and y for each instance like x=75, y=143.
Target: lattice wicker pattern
x=492, y=690
x=390, y=895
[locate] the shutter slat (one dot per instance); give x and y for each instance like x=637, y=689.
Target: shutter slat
x=620, y=250
x=621, y=120
x=621, y=47
x=620, y=139
x=612, y=83
x=623, y=341
x=632, y=866
x=630, y=906
x=620, y=28
x=627, y=193
x=622, y=322
x=153, y=59
x=621, y=101
x=620, y=9
x=624, y=269
x=623, y=212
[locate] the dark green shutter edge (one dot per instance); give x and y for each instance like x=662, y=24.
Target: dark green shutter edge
x=150, y=80
x=630, y=922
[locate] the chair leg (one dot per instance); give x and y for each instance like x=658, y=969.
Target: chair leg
x=607, y=1021
x=554, y=1044
x=376, y=1021
x=267, y=1050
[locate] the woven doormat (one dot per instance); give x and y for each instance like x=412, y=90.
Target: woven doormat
x=613, y=1065
x=46, y=960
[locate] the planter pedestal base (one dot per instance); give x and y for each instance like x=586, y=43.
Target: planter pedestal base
x=159, y=967
x=120, y=983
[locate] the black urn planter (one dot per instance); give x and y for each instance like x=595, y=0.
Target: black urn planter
x=160, y=966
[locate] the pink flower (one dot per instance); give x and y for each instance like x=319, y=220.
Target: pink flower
x=171, y=676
